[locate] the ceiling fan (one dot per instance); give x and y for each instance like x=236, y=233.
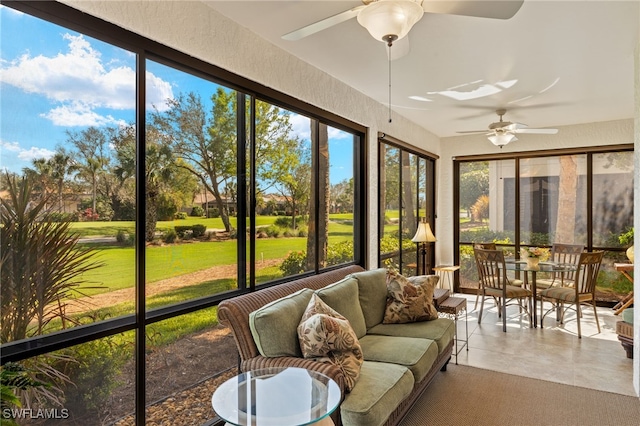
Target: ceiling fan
x=391, y=20
x=502, y=132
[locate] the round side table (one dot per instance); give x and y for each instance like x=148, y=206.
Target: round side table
x=287, y=396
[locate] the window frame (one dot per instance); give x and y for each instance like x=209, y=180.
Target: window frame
x=146, y=49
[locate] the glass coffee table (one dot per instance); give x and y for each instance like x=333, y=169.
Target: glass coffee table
x=287, y=396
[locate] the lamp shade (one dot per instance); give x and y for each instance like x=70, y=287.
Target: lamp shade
x=424, y=234
x=390, y=18
x=501, y=139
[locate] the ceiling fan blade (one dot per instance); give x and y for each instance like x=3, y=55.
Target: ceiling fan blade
x=399, y=49
x=323, y=24
x=496, y=9
x=538, y=131
x=472, y=132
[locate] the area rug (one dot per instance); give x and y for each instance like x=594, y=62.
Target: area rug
x=471, y=396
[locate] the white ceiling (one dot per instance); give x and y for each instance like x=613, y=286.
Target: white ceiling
x=554, y=63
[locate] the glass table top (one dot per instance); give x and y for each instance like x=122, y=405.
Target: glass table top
x=287, y=396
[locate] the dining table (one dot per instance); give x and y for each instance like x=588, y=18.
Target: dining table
x=512, y=264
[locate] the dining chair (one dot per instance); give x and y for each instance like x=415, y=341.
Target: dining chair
x=492, y=275
x=485, y=246
x=561, y=253
x=582, y=292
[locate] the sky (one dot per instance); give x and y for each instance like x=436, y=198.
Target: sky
x=54, y=80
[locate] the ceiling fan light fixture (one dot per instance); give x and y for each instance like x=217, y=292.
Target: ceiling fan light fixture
x=501, y=139
x=390, y=19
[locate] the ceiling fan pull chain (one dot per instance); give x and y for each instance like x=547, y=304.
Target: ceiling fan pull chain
x=389, y=59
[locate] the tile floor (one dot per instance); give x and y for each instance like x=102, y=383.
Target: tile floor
x=552, y=353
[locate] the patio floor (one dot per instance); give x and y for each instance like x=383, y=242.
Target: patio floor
x=553, y=353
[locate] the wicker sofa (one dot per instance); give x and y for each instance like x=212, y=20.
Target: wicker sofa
x=400, y=360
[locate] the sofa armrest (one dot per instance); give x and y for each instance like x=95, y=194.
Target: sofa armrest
x=330, y=370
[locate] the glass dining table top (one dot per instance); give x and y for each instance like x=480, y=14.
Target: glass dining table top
x=287, y=396
x=521, y=265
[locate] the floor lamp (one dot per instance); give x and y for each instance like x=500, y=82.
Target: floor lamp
x=424, y=237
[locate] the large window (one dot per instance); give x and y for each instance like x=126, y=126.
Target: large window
x=407, y=185
x=140, y=188
x=572, y=198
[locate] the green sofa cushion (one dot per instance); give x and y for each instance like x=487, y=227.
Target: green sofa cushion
x=274, y=326
x=440, y=330
x=372, y=292
x=343, y=298
x=379, y=390
x=627, y=315
x=418, y=355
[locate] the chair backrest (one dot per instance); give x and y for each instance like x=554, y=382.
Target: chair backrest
x=491, y=267
x=485, y=246
x=587, y=273
x=566, y=253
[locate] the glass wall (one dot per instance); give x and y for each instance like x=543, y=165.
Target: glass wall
x=139, y=190
x=553, y=197
x=584, y=198
x=487, y=206
x=407, y=185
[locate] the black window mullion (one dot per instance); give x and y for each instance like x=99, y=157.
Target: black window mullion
x=141, y=190
x=252, y=193
x=241, y=178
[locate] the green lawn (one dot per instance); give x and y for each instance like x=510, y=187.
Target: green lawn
x=168, y=261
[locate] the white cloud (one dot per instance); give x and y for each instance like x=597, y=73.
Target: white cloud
x=300, y=126
x=158, y=91
x=79, y=77
x=77, y=114
x=10, y=146
x=26, y=154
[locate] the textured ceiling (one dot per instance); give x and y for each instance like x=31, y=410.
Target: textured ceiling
x=554, y=63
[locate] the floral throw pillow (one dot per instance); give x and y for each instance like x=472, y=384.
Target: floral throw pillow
x=327, y=336
x=410, y=299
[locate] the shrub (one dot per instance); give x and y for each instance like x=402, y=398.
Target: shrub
x=170, y=236
x=197, y=211
x=181, y=215
x=213, y=213
x=182, y=230
x=198, y=230
x=294, y=263
x=131, y=240
x=341, y=252
x=626, y=238
x=121, y=236
x=92, y=368
x=480, y=209
x=272, y=231
x=63, y=217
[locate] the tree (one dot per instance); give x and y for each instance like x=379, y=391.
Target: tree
x=318, y=235
x=160, y=167
x=92, y=150
x=120, y=182
x=473, y=184
x=567, y=199
x=207, y=144
x=294, y=183
x=409, y=173
x=342, y=196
